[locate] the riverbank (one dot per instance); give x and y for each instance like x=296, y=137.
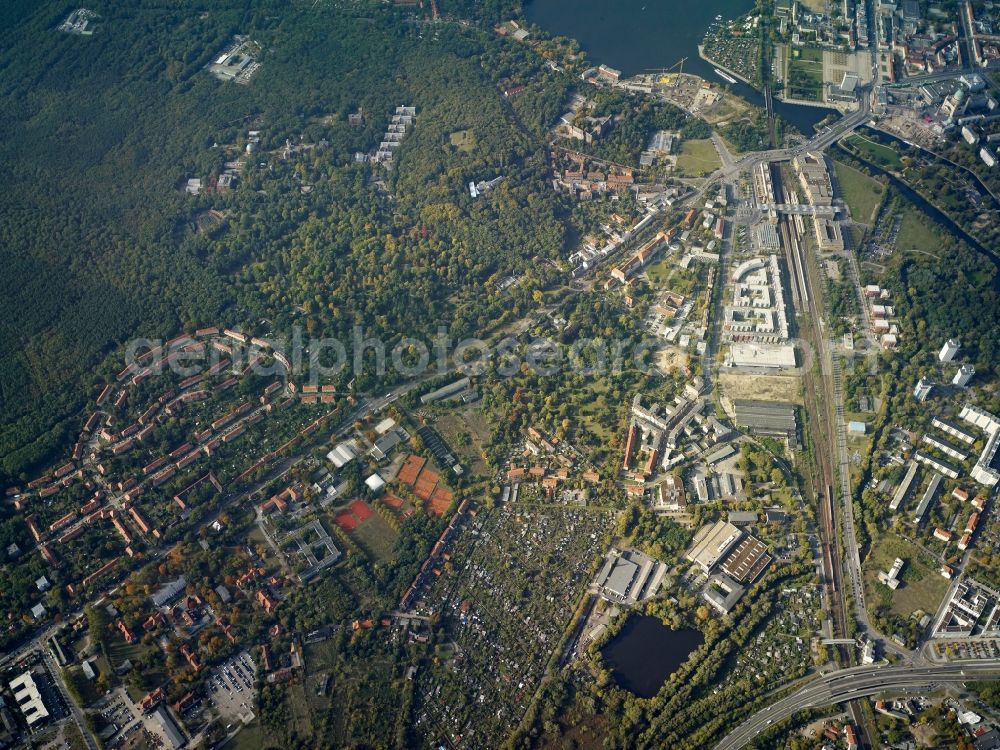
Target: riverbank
x=843, y=108
x=975, y=177
x=724, y=69
x=925, y=204
x=637, y=37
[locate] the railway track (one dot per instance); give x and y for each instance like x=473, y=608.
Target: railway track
x=820, y=384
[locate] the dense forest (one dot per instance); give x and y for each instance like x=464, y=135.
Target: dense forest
x=957, y=298
x=101, y=244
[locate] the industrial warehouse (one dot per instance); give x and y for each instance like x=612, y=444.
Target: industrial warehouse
x=770, y=418
x=733, y=558
x=629, y=577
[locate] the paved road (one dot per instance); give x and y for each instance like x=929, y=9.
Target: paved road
x=727, y=172
x=818, y=142
x=74, y=709
x=857, y=682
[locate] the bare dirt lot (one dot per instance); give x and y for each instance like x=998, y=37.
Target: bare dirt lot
x=759, y=387
x=716, y=107
x=671, y=357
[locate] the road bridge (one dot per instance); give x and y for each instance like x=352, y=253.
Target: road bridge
x=801, y=209
x=846, y=685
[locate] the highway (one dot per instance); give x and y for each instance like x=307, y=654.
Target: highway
x=847, y=685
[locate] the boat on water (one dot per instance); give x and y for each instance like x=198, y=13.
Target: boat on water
x=723, y=74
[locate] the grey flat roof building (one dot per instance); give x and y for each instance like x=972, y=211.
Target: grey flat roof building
x=721, y=455
x=386, y=443
x=953, y=430
x=712, y=542
x=942, y=467
x=743, y=517
x=168, y=591
x=766, y=417
x=28, y=698
x=620, y=580
x=169, y=726
x=904, y=486
x=925, y=501
x=629, y=577
x=722, y=592
x=988, y=740
x=448, y=390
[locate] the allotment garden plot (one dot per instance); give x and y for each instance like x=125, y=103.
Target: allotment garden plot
x=505, y=593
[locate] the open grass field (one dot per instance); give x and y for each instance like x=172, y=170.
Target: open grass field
x=874, y=152
x=299, y=710
x=320, y=656
x=698, y=158
x=251, y=737
x=805, y=74
x=857, y=446
x=808, y=54
x=862, y=193
x=466, y=430
x=916, y=234
x=375, y=537
x=593, y=408
x=659, y=271
x=362, y=700
x=922, y=587
x=463, y=140
x=119, y=651
x=577, y=732
x=852, y=235
x=728, y=108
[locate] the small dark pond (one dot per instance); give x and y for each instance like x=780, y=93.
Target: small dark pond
x=646, y=652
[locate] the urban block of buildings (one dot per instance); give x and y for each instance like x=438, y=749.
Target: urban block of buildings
x=629, y=577
x=733, y=558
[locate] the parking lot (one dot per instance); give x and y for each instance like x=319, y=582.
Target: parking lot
x=122, y=720
x=232, y=691
x=882, y=240
x=984, y=649
x=131, y=728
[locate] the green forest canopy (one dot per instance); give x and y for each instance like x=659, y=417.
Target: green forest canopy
x=95, y=230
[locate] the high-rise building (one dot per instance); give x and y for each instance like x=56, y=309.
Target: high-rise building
x=963, y=376
x=949, y=350
x=923, y=389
